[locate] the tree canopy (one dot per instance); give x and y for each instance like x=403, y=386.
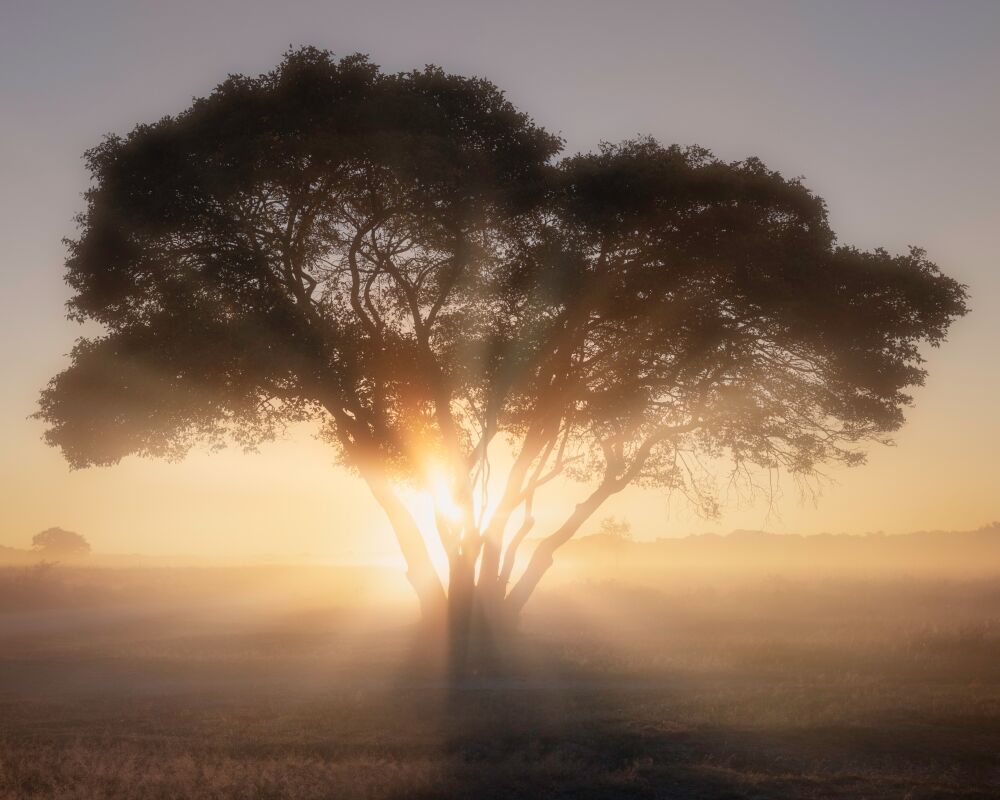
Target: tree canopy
x=406, y=259
x=60, y=543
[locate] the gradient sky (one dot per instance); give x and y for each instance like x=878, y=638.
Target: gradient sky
x=891, y=111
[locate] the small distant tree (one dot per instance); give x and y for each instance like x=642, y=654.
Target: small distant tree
x=620, y=529
x=404, y=260
x=60, y=543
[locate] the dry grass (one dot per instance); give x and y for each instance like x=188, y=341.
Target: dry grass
x=787, y=690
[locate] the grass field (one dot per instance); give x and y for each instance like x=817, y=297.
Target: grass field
x=767, y=689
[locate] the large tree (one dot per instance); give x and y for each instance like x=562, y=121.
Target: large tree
x=405, y=259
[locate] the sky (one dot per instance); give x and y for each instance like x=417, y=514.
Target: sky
x=889, y=109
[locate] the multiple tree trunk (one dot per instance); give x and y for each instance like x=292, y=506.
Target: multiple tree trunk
x=480, y=602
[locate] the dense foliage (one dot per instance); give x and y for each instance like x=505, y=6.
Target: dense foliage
x=404, y=259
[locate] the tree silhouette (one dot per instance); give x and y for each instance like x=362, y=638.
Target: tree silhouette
x=59, y=543
x=619, y=530
x=403, y=259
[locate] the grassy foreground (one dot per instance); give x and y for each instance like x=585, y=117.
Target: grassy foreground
x=772, y=689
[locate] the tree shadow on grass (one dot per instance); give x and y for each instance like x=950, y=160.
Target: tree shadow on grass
x=529, y=724
x=540, y=726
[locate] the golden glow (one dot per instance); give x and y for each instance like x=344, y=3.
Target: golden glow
x=443, y=500
x=421, y=505
x=436, y=500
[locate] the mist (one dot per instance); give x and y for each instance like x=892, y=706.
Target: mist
x=690, y=662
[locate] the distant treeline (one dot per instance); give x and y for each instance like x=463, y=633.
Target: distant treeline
x=17, y=557
x=961, y=553
x=944, y=553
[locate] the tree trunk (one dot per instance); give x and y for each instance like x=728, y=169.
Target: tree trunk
x=461, y=607
x=420, y=569
x=476, y=630
x=473, y=617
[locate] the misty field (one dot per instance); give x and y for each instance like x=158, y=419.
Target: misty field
x=310, y=682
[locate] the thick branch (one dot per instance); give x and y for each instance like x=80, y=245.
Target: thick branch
x=541, y=559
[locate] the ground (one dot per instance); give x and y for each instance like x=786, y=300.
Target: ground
x=775, y=689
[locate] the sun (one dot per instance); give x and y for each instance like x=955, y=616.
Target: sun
x=442, y=498
x=425, y=505
x=436, y=500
